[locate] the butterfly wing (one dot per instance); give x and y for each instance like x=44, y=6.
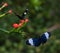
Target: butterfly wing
x=45, y=37
x=37, y=41
x=25, y=13
x=18, y=15
x=33, y=42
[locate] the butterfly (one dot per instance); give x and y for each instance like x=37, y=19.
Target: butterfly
x=23, y=15
x=37, y=41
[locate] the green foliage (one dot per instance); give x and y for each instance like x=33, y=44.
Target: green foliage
x=42, y=14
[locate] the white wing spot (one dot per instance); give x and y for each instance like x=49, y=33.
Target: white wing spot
x=25, y=13
x=47, y=35
x=31, y=41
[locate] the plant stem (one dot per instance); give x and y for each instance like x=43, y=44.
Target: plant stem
x=4, y=30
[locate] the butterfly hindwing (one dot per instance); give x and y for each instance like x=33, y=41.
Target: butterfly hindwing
x=23, y=15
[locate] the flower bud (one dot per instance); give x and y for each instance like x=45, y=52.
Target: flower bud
x=15, y=25
x=20, y=24
x=21, y=21
x=26, y=20
x=10, y=11
x=5, y=4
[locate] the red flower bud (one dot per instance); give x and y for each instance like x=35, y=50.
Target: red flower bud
x=10, y=11
x=21, y=21
x=26, y=20
x=5, y=4
x=15, y=25
x=20, y=24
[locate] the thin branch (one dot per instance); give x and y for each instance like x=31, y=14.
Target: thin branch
x=54, y=27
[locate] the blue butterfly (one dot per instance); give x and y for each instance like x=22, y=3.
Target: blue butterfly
x=37, y=41
x=23, y=15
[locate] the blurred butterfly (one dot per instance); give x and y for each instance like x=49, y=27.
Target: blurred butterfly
x=23, y=15
x=37, y=41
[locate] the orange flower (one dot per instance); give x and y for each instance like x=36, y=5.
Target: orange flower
x=21, y=21
x=15, y=25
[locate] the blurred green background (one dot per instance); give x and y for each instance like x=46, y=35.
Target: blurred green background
x=42, y=15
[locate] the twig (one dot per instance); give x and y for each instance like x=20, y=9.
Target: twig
x=54, y=27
